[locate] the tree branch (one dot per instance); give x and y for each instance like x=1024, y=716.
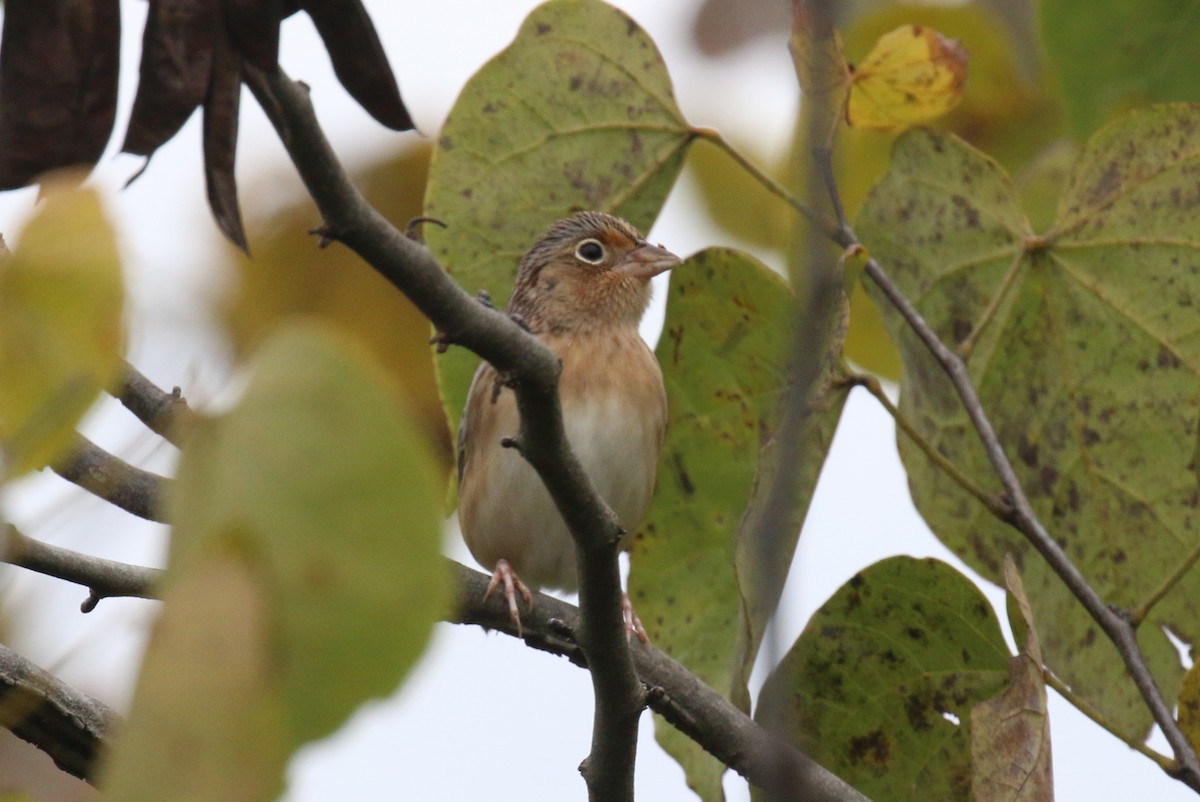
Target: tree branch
x=348, y=218
x=109, y=477
x=71, y=727
x=104, y=578
x=674, y=692
x=166, y=414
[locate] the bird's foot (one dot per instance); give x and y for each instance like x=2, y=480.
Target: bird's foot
x=633, y=624
x=506, y=576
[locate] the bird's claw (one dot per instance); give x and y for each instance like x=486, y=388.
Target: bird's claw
x=506, y=576
x=633, y=624
x=413, y=230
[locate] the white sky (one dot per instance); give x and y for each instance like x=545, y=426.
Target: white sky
x=483, y=717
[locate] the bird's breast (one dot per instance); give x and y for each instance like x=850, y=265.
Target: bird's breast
x=614, y=415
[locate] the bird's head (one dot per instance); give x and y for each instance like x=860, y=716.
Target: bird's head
x=587, y=272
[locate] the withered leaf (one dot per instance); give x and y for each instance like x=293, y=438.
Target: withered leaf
x=358, y=59
x=58, y=85
x=220, y=140
x=253, y=27
x=177, y=60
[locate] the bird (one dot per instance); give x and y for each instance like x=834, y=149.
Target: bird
x=582, y=290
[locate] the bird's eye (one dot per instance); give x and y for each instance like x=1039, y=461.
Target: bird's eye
x=590, y=251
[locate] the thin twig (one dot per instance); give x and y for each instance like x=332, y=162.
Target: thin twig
x=108, y=477
x=103, y=578
x=349, y=219
x=821, y=221
x=994, y=503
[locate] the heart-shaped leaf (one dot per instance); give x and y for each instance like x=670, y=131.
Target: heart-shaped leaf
x=577, y=113
x=1084, y=346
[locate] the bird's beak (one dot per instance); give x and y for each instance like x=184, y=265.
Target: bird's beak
x=648, y=260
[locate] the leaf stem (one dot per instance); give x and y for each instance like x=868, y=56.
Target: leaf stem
x=1138, y=614
x=1083, y=706
x=821, y=221
x=871, y=384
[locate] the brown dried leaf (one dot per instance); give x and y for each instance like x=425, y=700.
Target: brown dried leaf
x=358, y=59
x=1010, y=735
x=220, y=141
x=58, y=85
x=177, y=60
x=253, y=27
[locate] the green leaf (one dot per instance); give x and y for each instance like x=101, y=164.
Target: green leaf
x=577, y=113
x=868, y=688
x=722, y=352
x=1120, y=55
x=61, y=301
x=207, y=722
x=1085, y=351
x=334, y=501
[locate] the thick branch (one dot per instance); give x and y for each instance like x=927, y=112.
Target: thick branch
x=107, y=476
x=69, y=726
x=166, y=414
x=104, y=578
x=409, y=266
x=687, y=703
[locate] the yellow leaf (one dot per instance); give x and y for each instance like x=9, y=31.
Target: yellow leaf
x=912, y=75
x=61, y=298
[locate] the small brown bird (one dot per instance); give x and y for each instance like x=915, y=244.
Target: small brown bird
x=582, y=290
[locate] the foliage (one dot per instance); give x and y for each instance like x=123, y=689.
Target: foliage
x=1064, y=272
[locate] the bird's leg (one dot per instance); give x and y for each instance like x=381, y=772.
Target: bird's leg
x=505, y=575
x=633, y=624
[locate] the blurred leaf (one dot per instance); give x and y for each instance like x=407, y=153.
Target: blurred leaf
x=207, y=722
x=912, y=75
x=1113, y=57
x=178, y=44
x=321, y=473
x=577, y=113
x=359, y=59
x=58, y=85
x=61, y=298
x=762, y=568
x=1085, y=352
x=880, y=685
x=722, y=353
x=220, y=140
x=304, y=577
x=1010, y=735
x=290, y=277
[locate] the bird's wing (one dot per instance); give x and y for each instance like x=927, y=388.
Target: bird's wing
x=477, y=396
